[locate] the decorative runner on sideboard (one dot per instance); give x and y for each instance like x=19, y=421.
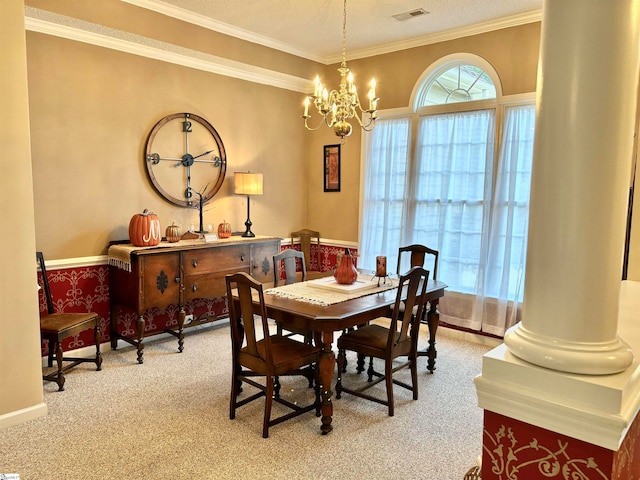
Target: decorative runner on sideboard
x=119, y=255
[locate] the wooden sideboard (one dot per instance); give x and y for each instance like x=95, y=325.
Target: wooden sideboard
x=176, y=274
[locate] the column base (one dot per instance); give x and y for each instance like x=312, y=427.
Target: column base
x=602, y=358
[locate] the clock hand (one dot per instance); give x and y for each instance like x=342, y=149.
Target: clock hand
x=203, y=154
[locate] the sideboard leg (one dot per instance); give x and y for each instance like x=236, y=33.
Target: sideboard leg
x=140, y=333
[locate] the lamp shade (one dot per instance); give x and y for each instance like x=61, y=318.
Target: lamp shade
x=245, y=183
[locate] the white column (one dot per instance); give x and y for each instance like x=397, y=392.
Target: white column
x=587, y=85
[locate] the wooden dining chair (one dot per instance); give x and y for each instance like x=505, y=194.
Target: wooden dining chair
x=56, y=327
x=287, y=261
x=399, y=339
x=417, y=257
x=257, y=354
x=307, y=239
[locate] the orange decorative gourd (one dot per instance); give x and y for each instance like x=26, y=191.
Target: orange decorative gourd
x=346, y=272
x=224, y=230
x=173, y=233
x=144, y=229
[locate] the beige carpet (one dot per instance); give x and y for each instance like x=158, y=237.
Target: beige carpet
x=169, y=418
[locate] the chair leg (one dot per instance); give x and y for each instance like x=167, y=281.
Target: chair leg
x=50, y=352
x=60, y=377
x=360, y=364
x=96, y=335
x=414, y=377
x=268, y=402
x=388, y=367
x=235, y=391
x=370, y=370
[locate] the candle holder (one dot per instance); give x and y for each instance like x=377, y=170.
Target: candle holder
x=381, y=270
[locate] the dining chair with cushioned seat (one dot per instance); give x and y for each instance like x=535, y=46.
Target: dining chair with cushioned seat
x=399, y=339
x=417, y=256
x=258, y=354
x=56, y=327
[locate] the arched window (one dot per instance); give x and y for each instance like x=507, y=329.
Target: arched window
x=460, y=83
x=453, y=172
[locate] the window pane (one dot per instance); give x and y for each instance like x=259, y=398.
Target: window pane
x=462, y=83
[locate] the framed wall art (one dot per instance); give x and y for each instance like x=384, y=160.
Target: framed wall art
x=332, y=168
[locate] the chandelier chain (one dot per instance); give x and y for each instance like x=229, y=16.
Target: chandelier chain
x=344, y=35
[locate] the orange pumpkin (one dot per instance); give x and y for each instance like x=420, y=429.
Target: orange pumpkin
x=144, y=229
x=173, y=233
x=224, y=230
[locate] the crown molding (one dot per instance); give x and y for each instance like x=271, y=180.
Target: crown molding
x=163, y=8
x=220, y=27
x=453, y=34
x=72, y=29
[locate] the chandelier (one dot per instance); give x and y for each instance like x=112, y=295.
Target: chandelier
x=339, y=106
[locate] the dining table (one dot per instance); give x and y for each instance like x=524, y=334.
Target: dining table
x=313, y=306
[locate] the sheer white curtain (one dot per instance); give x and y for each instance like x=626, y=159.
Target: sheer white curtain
x=501, y=278
x=451, y=191
x=446, y=199
x=384, y=208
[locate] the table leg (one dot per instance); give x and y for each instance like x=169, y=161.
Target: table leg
x=433, y=320
x=326, y=364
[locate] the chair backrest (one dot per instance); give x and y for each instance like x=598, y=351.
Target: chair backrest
x=45, y=283
x=244, y=323
x=307, y=237
x=412, y=289
x=417, y=257
x=288, y=259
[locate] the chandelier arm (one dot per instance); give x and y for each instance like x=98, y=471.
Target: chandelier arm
x=313, y=129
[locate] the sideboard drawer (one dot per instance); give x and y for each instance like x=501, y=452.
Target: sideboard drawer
x=208, y=285
x=232, y=258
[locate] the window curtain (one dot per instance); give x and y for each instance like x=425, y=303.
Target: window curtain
x=450, y=202
x=384, y=207
x=501, y=276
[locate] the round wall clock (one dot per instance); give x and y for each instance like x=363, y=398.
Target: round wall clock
x=185, y=159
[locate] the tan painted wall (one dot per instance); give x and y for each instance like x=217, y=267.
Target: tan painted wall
x=20, y=380
x=89, y=126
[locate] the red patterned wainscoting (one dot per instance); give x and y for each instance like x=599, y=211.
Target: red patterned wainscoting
x=514, y=450
x=328, y=256
x=86, y=289
x=78, y=289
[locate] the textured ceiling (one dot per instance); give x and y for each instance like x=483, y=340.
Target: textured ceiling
x=314, y=27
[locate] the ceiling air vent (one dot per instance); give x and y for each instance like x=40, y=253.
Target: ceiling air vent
x=413, y=13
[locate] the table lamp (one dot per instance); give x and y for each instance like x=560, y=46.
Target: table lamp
x=246, y=183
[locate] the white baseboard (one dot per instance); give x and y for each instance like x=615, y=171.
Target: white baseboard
x=24, y=415
x=468, y=336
